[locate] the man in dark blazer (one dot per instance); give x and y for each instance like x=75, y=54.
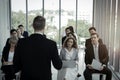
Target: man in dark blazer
x=88, y=41
x=98, y=52
x=33, y=55
x=23, y=32
x=67, y=31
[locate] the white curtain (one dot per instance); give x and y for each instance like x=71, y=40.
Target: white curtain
x=106, y=15
x=101, y=18
x=4, y=22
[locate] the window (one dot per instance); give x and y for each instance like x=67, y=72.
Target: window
x=51, y=13
x=59, y=14
x=34, y=9
x=18, y=13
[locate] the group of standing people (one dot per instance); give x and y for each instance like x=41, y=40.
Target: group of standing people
x=32, y=55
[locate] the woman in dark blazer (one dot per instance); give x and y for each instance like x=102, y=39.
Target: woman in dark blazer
x=7, y=59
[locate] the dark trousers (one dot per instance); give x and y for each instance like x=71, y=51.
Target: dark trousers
x=88, y=73
x=9, y=72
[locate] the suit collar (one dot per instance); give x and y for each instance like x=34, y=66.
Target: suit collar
x=37, y=35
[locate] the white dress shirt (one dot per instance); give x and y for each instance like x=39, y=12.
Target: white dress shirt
x=96, y=52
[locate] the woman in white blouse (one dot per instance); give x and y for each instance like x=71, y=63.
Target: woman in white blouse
x=69, y=56
x=7, y=59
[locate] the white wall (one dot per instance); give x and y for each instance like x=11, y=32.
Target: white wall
x=4, y=23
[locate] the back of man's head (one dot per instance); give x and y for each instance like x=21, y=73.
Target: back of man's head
x=39, y=23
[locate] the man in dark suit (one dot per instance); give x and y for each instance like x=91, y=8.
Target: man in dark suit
x=67, y=31
x=33, y=55
x=23, y=32
x=88, y=41
x=98, y=52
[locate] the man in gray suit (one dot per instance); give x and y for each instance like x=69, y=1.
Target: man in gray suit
x=34, y=54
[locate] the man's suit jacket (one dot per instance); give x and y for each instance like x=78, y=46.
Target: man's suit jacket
x=63, y=39
x=88, y=42
x=33, y=56
x=25, y=34
x=102, y=52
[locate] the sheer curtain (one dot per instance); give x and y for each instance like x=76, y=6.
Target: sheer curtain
x=101, y=18
x=4, y=22
x=106, y=19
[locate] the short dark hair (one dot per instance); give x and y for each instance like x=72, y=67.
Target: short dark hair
x=95, y=34
x=67, y=28
x=92, y=28
x=71, y=29
x=12, y=30
x=20, y=26
x=39, y=23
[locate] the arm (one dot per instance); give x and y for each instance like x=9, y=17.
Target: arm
x=25, y=34
x=16, y=58
x=61, y=54
x=100, y=41
x=105, y=55
x=86, y=57
x=87, y=42
x=77, y=58
x=89, y=54
x=57, y=62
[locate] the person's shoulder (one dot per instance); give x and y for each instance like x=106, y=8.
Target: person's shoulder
x=50, y=41
x=8, y=39
x=25, y=32
x=102, y=45
x=89, y=46
x=76, y=49
x=63, y=37
x=89, y=39
x=23, y=39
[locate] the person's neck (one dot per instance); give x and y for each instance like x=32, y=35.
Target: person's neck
x=69, y=48
x=96, y=44
x=39, y=31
